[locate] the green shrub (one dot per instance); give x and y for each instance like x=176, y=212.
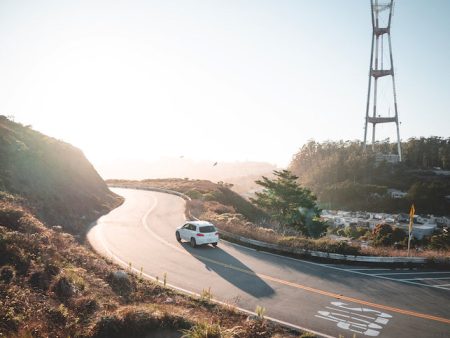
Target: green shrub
x=194, y=194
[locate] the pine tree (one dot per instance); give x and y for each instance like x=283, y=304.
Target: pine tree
x=290, y=204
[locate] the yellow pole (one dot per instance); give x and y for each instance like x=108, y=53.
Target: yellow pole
x=411, y=221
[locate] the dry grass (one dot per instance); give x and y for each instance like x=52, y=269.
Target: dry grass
x=71, y=292
x=391, y=252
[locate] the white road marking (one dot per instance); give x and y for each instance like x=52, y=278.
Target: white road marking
x=145, y=224
x=414, y=273
x=337, y=268
x=355, y=271
x=428, y=278
x=353, y=319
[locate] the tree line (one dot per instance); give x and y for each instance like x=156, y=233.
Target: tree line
x=344, y=176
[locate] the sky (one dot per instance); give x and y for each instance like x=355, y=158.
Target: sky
x=248, y=80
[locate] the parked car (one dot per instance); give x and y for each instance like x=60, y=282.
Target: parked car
x=198, y=233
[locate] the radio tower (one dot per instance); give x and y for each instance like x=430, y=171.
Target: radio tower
x=379, y=70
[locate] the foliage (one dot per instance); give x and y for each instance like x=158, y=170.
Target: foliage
x=290, y=204
x=308, y=335
x=386, y=235
x=343, y=176
x=206, y=330
x=353, y=231
x=260, y=312
x=440, y=241
x=206, y=295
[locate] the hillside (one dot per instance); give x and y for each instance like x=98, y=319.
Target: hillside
x=344, y=177
x=180, y=167
x=53, y=177
x=53, y=286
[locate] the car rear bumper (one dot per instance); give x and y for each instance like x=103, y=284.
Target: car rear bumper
x=206, y=240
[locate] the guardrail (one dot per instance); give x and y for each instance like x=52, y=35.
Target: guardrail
x=321, y=254
x=298, y=251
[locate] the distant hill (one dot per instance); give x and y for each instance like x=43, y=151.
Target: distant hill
x=344, y=177
x=219, y=194
x=53, y=177
x=182, y=168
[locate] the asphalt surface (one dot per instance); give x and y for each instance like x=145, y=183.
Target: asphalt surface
x=331, y=299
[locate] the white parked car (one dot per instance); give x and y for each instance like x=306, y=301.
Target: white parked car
x=198, y=233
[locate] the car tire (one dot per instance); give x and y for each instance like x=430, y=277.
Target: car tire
x=177, y=235
x=214, y=244
x=193, y=244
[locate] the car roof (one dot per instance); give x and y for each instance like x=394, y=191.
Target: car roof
x=200, y=223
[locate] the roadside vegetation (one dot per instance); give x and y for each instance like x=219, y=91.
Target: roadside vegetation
x=52, y=286
x=287, y=214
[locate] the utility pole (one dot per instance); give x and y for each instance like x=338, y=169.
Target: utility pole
x=377, y=70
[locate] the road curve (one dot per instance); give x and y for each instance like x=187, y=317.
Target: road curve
x=335, y=300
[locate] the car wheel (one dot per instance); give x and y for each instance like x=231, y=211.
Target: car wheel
x=193, y=244
x=214, y=244
x=177, y=235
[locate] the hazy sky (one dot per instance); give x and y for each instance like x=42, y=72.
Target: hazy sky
x=221, y=80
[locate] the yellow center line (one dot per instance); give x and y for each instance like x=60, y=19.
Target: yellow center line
x=325, y=293
x=300, y=286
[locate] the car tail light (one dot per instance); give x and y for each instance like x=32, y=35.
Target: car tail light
x=200, y=235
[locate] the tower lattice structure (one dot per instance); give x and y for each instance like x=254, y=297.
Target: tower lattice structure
x=378, y=70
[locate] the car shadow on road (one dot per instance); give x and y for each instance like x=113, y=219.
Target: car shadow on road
x=231, y=269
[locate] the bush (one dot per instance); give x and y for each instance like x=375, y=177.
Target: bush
x=194, y=194
x=386, y=235
x=206, y=330
x=63, y=288
x=7, y=274
x=58, y=315
x=108, y=327
x=40, y=280
x=120, y=283
x=440, y=242
x=86, y=306
x=135, y=322
x=10, y=216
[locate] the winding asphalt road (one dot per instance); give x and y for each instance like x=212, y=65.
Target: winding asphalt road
x=332, y=300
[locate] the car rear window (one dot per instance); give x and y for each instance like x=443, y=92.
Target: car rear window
x=208, y=228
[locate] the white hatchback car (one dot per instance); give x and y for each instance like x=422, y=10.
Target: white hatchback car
x=198, y=233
